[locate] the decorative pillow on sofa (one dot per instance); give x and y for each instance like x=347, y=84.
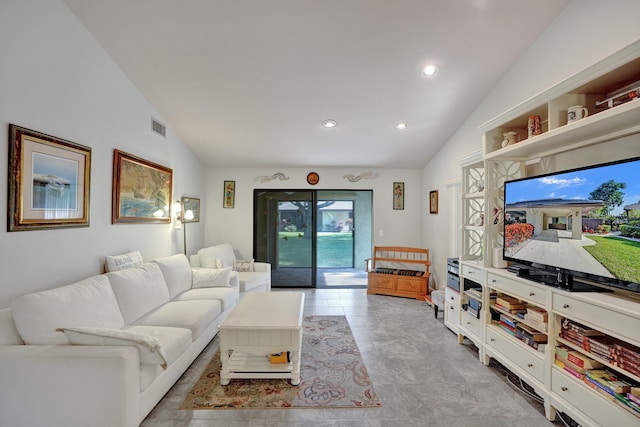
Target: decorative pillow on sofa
x=149, y=347
x=243, y=265
x=120, y=262
x=210, y=277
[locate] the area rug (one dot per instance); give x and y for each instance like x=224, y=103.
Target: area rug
x=332, y=375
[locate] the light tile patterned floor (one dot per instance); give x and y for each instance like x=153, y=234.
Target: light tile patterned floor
x=421, y=373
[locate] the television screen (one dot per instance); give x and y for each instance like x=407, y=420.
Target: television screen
x=582, y=222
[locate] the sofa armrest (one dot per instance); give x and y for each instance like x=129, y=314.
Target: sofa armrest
x=65, y=385
x=264, y=267
x=194, y=260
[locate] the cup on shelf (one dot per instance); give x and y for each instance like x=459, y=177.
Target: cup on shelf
x=576, y=112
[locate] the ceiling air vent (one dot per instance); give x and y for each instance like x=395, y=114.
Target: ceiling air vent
x=158, y=127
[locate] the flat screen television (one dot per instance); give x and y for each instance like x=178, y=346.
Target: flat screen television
x=576, y=229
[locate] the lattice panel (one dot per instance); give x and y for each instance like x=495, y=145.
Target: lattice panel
x=473, y=241
x=503, y=171
x=474, y=212
x=474, y=180
x=496, y=214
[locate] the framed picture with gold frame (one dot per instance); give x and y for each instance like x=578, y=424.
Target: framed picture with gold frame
x=141, y=191
x=433, y=202
x=229, y=198
x=49, y=181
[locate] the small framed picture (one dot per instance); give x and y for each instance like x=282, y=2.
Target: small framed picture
x=228, y=201
x=433, y=202
x=191, y=209
x=398, y=195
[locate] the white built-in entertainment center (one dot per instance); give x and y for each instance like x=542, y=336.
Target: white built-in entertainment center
x=608, y=133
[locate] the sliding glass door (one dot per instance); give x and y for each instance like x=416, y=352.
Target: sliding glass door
x=313, y=238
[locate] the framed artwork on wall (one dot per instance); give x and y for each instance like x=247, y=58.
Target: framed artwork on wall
x=228, y=201
x=433, y=202
x=49, y=181
x=398, y=195
x=191, y=209
x=141, y=191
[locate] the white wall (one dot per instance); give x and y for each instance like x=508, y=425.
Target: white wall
x=56, y=79
x=585, y=32
x=400, y=227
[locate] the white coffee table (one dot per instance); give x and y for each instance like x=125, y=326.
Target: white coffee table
x=263, y=323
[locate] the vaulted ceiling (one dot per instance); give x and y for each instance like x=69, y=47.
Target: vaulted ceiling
x=248, y=83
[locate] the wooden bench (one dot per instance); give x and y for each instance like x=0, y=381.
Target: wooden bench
x=399, y=271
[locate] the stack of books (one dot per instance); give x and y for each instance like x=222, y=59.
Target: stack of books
x=508, y=324
x=627, y=357
x=537, y=317
x=578, y=334
x=574, y=362
x=531, y=337
x=510, y=304
x=621, y=391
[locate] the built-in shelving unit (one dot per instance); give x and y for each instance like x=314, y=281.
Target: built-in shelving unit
x=611, y=129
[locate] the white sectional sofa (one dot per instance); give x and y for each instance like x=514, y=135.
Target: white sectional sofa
x=248, y=275
x=140, y=328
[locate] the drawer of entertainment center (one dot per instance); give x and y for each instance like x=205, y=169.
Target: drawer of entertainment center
x=597, y=408
x=518, y=288
x=605, y=320
x=472, y=273
x=472, y=324
x=529, y=360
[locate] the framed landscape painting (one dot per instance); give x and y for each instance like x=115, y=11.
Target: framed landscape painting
x=48, y=181
x=141, y=190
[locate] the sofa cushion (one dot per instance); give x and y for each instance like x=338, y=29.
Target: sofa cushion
x=89, y=302
x=149, y=347
x=251, y=279
x=8, y=333
x=194, y=315
x=210, y=277
x=228, y=295
x=120, y=262
x=177, y=273
x=139, y=290
x=209, y=256
x=174, y=341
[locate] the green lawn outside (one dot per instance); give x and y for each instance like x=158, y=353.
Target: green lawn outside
x=334, y=250
x=618, y=255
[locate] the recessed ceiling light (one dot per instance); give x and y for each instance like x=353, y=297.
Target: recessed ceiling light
x=329, y=123
x=401, y=126
x=430, y=70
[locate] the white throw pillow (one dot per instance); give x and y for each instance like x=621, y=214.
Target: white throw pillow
x=150, y=350
x=243, y=265
x=220, y=263
x=120, y=262
x=210, y=277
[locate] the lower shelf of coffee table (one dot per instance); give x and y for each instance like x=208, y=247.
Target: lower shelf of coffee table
x=259, y=366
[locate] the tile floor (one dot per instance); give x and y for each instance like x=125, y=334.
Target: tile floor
x=420, y=372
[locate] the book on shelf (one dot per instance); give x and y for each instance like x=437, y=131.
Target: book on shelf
x=510, y=303
x=582, y=361
x=598, y=387
x=509, y=329
x=567, y=368
x=509, y=321
x=535, y=323
x=475, y=292
x=532, y=333
x=634, y=394
x=537, y=313
x=540, y=346
x=609, y=381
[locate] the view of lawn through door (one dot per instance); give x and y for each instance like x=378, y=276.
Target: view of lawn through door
x=310, y=238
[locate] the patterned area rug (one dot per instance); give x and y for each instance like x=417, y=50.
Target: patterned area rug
x=333, y=375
